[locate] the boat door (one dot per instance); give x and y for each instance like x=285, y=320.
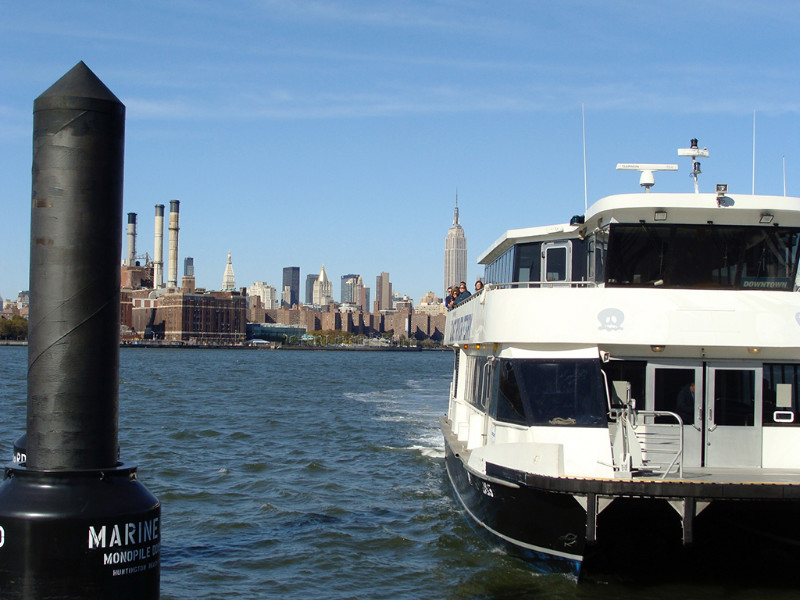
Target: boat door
x=732, y=416
x=556, y=262
x=720, y=405
x=672, y=387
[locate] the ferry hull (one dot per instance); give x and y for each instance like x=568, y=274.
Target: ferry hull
x=544, y=528
x=638, y=536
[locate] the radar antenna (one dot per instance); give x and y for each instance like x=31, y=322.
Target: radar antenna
x=694, y=153
x=647, y=180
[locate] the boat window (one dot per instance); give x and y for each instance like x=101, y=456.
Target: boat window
x=508, y=404
x=457, y=354
x=527, y=261
x=702, y=256
x=556, y=260
x=675, y=390
x=501, y=270
x=597, y=245
x=781, y=394
x=474, y=380
x=557, y=392
x=632, y=371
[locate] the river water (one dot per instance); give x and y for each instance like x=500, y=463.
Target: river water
x=300, y=474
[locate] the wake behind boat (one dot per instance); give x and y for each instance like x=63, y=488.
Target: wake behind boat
x=625, y=392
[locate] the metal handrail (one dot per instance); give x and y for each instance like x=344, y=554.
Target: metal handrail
x=659, y=442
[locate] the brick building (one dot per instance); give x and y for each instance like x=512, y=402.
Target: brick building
x=192, y=317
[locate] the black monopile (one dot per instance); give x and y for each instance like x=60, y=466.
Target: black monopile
x=74, y=521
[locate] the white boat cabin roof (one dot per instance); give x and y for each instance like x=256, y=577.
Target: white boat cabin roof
x=728, y=209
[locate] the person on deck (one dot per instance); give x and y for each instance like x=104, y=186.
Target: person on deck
x=453, y=297
x=463, y=293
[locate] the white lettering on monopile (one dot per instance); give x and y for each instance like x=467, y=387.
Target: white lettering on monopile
x=123, y=534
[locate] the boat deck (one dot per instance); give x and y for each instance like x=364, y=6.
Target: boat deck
x=742, y=475
x=706, y=484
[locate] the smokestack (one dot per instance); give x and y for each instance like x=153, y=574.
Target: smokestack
x=172, y=274
x=72, y=489
x=158, y=260
x=131, y=260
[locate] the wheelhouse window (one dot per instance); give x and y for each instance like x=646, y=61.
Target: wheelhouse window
x=502, y=269
x=555, y=392
x=528, y=261
x=702, y=256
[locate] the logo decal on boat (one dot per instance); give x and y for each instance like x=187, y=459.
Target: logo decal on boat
x=568, y=539
x=610, y=319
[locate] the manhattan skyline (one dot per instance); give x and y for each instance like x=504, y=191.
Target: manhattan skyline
x=338, y=132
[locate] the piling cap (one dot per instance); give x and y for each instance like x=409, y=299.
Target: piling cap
x=79, y=88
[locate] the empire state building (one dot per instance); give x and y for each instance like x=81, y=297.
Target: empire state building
x=455, y=253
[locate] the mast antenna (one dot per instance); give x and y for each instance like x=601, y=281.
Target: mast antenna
x=754, y=153
x=694, y=153
x=585, y=188
x=784, y=174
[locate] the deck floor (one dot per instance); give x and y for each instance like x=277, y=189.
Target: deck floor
x=739, y=475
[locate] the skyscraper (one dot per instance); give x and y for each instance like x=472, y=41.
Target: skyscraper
x=228, y=280
x=310, y=279
x=291, y=279
x=267, y=294
x=188, y=267
x=361, y=294
x=349, y=288
x=455, y=253
x=383, y=292
x=323, y=289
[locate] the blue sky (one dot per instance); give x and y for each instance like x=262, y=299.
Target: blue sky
x=307, y=133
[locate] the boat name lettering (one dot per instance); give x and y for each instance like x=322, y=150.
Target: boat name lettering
x=487, y=489
x=777, y=283
x=125, y=534
x=461, y=327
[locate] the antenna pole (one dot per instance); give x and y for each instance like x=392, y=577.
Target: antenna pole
x=754, y=153
x=784, y=174
x=585, y=188
x=694, y=153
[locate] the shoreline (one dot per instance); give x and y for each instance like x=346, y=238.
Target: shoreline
x=261, y=348
x=290, y=348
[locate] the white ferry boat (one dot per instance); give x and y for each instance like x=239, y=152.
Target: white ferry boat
x=626, y=386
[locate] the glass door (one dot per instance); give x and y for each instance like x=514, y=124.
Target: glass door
x=673, y=387
x=732, y=416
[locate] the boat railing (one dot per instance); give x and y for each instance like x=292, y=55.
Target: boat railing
x=659, y=434
x=538, y=284
x=524, y=285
